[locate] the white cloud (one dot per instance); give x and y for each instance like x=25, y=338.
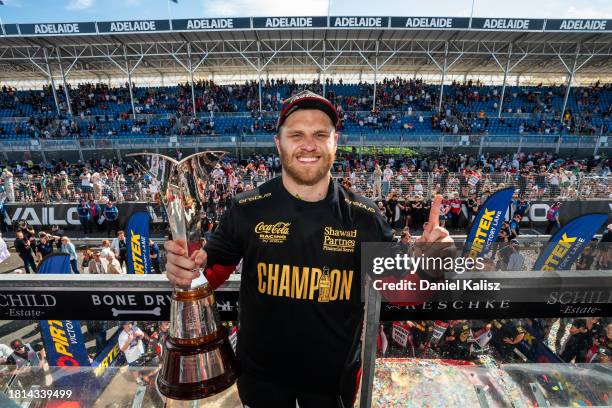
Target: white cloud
x=223, y=8
x=79, y=4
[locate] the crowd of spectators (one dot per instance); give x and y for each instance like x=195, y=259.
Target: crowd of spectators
x=580, y=340
x=534, y=175
x=460, y=178
x=401, y=105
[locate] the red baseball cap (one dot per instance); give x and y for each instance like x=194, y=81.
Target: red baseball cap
x=307, y=100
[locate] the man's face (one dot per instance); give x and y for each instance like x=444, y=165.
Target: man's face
x=307, y=144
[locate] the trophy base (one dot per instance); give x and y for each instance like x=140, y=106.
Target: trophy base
x=192, y=373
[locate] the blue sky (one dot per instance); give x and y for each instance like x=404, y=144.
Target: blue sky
x=29, y=11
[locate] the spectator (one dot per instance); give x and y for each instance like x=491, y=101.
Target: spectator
x=86, y=187
x=7, y=179
x=24, y=250
x=515, y=226
x=130, y=343
x=4, y=252
x=552, y=217
x=516, y=260
x=111, y=215
x=94, y=214
x=377, y=182
x=3, y=214
x=84, y=216
x=5, y=352
x=386, y=180
x=580, y=339
x=106, y=248
x=87, y=256
x=25, y=355
x=113, y=265
x=97, y=265
x=44, y=246
x=119, y=247
x=154, y=254
x=68, y=248
x=97, y=329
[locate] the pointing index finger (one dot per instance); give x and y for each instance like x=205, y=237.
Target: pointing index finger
x=434, y=213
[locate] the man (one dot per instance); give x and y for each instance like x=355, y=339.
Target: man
x=130, y=343
x=119, y=247
x=305, y=208
x=84, y=216
x=515, y=226
x=154, y=255
x=516, y=259
x=24, y=250
x=111, y=214
x=94, y=215
x=25, y=355
x=44, y=246
x=7, y=178
x=86, y=188
x=97, y=265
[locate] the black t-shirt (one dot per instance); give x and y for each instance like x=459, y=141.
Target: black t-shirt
x=22, y=246
x=291, y=330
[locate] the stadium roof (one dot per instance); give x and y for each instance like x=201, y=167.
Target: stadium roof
x=280, y=46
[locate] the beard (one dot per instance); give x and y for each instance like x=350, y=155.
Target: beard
x=306, y=174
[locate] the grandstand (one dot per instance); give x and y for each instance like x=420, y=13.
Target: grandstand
x=415, y=74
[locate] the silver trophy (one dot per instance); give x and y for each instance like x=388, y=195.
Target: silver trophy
x=198, y=360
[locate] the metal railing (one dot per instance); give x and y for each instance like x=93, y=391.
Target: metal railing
x=365, y=139
x=407, y=186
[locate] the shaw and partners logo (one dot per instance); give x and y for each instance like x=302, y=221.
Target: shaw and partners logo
x=339, y=240
x=273, y=233
x=561, y=251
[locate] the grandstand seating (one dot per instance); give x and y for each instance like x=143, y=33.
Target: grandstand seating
x=472, y=106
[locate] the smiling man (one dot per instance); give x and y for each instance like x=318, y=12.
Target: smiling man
x=299, y=236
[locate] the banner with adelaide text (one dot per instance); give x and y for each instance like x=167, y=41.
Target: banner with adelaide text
x=566, y=245
x=137, y=238
x=487, y=224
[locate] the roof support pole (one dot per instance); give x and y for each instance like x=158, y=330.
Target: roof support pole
x=129, y=75
x=50, y=74
x=444, y=68
x=259, y=72
x=66, y=92
x=259, y=83
x=375, y=77
x=570, y=77
x=324, y=70
x=193, y=95
x=503, y=92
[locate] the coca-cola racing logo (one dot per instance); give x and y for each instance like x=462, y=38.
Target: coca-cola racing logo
x=273, y=233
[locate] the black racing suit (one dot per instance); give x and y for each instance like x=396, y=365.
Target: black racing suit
x=300, y=300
